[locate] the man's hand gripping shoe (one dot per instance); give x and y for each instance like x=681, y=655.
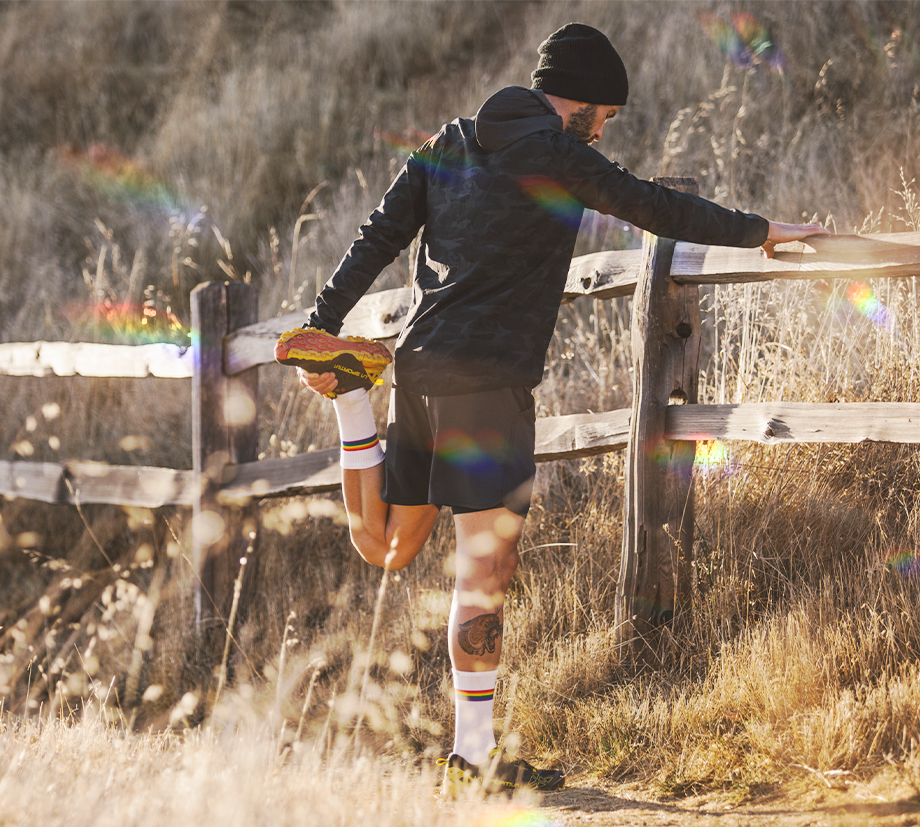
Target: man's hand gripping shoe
x=356, y=362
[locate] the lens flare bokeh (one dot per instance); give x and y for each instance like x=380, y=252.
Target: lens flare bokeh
x=115, y=175
x=865, y=300
x=129, y=323
x=859, y=298
x=904, y=562
x=514, y=817
x=451, y=167
x=746, y=42
x=712, y=455
x=404, y=144
x=554, y=199
x=479, y=453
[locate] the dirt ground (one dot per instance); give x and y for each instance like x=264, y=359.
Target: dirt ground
x=599, y=805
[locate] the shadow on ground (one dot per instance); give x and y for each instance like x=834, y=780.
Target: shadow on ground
x=611, y=807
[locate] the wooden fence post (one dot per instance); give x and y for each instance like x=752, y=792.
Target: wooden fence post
x=224, y=435
x=659, y=505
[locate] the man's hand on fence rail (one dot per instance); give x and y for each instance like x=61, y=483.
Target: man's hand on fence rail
x=780, y=233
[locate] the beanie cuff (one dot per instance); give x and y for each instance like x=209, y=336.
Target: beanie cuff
x=578, y=86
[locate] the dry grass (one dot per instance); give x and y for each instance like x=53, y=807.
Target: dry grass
x=100, y=776
x=796, y=660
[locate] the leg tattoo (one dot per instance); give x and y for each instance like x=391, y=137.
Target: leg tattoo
x=478, y=636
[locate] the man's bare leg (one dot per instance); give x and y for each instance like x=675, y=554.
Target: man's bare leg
x=486, y=560
x=384, y=535
x=377, y=528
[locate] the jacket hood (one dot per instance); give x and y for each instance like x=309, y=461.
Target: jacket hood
x=512, y=114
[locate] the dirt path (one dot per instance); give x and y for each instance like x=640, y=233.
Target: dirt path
x=591, y=803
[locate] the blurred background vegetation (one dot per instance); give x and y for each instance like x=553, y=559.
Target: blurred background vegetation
x=146, y=147
x=142, y=125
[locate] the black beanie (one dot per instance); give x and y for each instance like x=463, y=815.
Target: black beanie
x=579, y=63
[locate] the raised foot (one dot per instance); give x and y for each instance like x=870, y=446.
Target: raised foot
x=355, y=361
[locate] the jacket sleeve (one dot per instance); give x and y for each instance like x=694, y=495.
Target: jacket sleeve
x=386, y=233
x=606, y=187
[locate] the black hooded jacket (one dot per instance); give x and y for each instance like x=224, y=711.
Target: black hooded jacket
x=501, y=197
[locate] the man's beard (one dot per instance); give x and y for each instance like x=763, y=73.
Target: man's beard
x=581, y=122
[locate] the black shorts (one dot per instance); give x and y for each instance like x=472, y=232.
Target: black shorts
x=472, y=451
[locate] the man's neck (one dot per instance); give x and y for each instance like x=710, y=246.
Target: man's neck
x=563, y=106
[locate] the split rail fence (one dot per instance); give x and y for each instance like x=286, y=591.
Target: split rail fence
x=226, y=481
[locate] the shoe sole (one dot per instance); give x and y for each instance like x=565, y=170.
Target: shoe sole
x=356, y=362
x=311, y=347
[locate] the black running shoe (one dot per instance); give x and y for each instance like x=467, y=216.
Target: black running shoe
x=498, y=775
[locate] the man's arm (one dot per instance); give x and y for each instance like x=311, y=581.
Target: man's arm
x=608, y=188
x=385, y=234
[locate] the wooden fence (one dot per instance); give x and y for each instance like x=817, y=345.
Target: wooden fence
x=226, y=482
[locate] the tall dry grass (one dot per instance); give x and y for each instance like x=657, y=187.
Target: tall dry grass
x=92, y=774
x=796, y=658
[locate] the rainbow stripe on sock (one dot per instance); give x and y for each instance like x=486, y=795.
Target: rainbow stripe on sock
x=360, y=444
x=475, y=694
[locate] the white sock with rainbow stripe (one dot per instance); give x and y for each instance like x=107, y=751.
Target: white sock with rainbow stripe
x=357, y=430
x=474, y=735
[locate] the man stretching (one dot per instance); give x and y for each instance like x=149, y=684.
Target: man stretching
x=500, y=197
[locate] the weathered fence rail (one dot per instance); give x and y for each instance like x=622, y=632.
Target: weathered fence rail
x=558, y=437
x=230, y=345
x=87, y=359
x=562, y=437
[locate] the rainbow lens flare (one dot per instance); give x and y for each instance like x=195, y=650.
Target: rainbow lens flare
x=123, y=322
x=905, y=563
x=659, y=451
x=404, y=144
x=450, y=167
x=114, y=174
x=746, y=42
x=514, y=817
x=867, y=302
x=479, y=453
x=446, y=166
x=711, y=455
x=554, y=199
x=859, y=297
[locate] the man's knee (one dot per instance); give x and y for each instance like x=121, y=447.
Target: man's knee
x=510, y=563
x=495, y=568
x=503, y=566
x=373, y=550
x=394, y=555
